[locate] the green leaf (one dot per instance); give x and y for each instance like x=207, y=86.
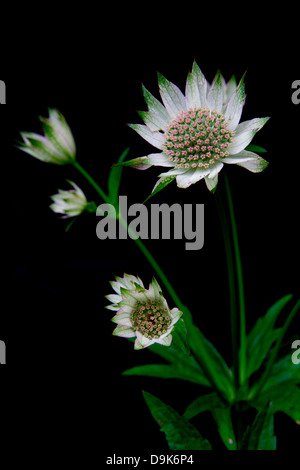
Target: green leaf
x=183, y=366
x=114, y=179
x=284, y=371
x=179, y=334
x=284, y=397
x=180, y=433
x=201, y=404
x=262, y=336
x=214, y=366
x=260, y=436
x=221, y=414
x=161, y=184
x=165, y=371
x=255, y=149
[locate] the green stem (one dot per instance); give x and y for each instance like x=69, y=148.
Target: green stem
x=243, y=334
x=142, y=247
x=256, y=389
x=91, y=181
x=231, y=285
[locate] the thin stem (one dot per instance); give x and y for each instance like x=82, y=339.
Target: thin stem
x=255, y=391
x=231, y=285
x=243, y=334
x=91, y=181
x=142, y=247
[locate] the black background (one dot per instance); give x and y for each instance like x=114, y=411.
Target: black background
x=63, y=366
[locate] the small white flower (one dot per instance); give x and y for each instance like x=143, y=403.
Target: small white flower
x=69, y=203
x=56, y=145
x=142, y=313
x=197, y=133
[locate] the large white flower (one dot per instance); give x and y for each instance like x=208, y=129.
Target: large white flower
x=197, y=133
x=142, y=313
x=56, y=145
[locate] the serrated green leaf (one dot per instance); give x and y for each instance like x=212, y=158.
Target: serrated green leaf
x=260, y=436
x=220, y=412
x=284, y=371
x=162, y=183
x=262, y=336
x=180, y=433
x=284, y=397
x=114, y=179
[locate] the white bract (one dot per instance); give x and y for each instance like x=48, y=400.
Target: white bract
x=141, y=313
x=56, y=145
x=197, y=133
x=69, y=203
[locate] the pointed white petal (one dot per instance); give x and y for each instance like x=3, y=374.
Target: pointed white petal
x=154, y=138
x=235, y=107
x=175, y=315
x=114, y=298
x=174, y=172
x=122, y=319
x=159, y=159
x=191, y=177
x=201, y=83
x=211, y=183
x=192, y=95
x=124, y=331
x=172, y=97
x=156, y=107
x=245, y=133
x=153, y=121
x=215, y=95
x=142, y=341
x=249, y=160
x=215, y=170
x=165, y=340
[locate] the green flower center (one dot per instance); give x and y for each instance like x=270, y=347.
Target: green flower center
x=151, y=319
x=197, y=138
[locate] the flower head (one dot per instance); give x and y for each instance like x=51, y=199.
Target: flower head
x=69, y=203
x=56, y=145
x=142, y=313
x=197, y=133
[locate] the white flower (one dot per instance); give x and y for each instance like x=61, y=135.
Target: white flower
x=197, y=133
x=142, y=313
x=56, y=145
x=69, y=203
